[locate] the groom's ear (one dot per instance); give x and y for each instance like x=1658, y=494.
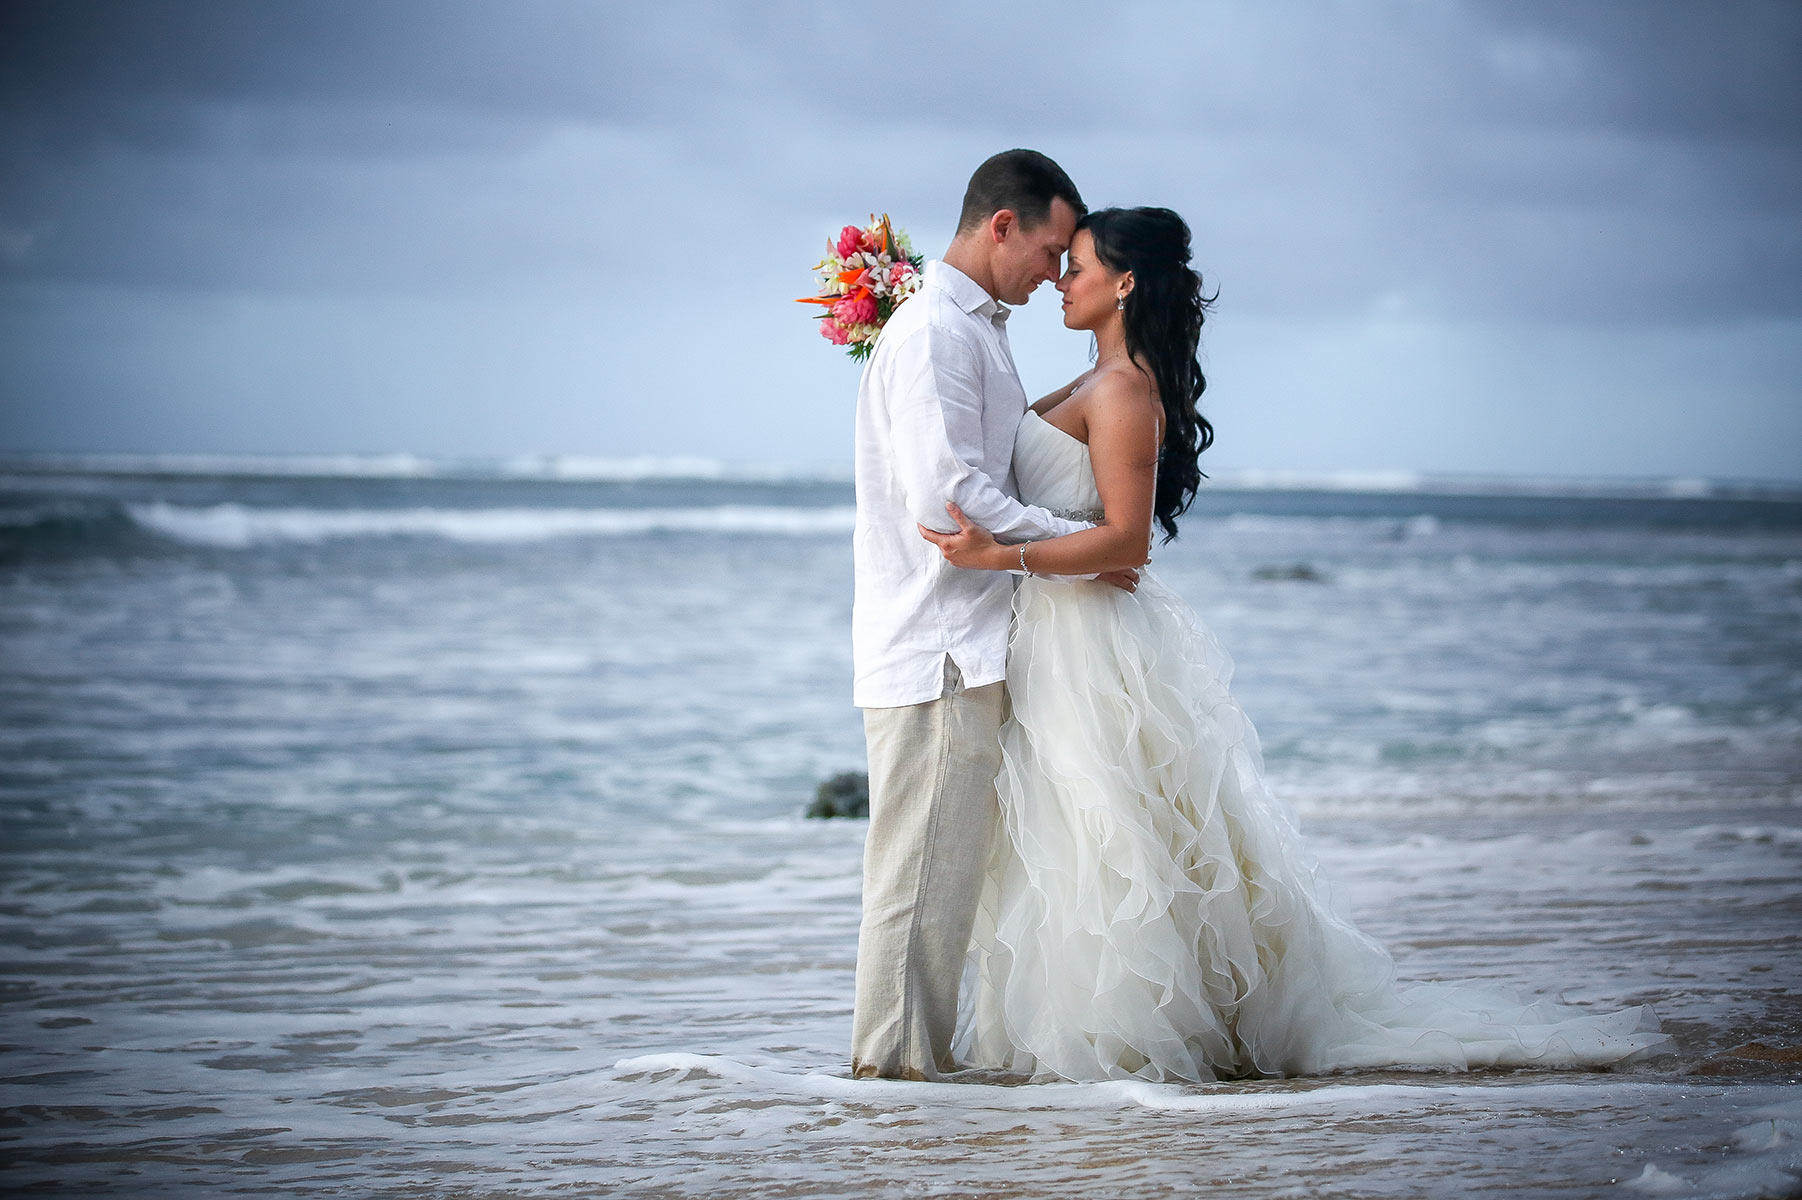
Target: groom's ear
x=1002, y=222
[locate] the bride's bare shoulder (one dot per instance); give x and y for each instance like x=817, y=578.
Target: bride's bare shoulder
x=1121, y=395
x=1121, y=383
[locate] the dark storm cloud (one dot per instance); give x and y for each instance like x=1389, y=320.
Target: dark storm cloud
x=451, y=226
x=138, y=71
x=1611, y=162
x=307, y=145
x=1724, y=71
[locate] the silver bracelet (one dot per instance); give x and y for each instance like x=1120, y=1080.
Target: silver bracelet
x=1023, y=565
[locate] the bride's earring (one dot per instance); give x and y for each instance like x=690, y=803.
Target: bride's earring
x=1120, y=304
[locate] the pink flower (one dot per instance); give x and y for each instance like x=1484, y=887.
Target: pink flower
x=850, y=241
x=835, y=333
x=898, y=273
x=856, y=310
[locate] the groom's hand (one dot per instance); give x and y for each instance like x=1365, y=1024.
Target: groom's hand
x=971, y=546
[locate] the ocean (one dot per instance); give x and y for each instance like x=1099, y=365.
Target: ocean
x=389, y=827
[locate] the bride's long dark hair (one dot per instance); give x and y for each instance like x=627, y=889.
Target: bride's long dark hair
x=1163, y=317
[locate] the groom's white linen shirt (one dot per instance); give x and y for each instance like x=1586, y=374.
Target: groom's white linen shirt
x=937, y=410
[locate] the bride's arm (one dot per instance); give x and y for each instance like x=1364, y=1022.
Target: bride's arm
x=1123, y=450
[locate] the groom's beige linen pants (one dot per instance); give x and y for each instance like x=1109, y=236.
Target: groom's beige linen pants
x=932, y=814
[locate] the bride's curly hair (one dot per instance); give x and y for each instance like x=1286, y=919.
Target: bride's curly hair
x=1163, y=316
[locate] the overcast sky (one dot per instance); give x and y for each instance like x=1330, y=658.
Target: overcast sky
x=1527, y=238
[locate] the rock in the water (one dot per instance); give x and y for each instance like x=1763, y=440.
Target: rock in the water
x=1291, y=573
x=846, y=794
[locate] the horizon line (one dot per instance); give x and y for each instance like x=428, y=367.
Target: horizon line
x=583, y=468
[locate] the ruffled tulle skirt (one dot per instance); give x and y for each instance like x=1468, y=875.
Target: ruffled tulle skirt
x=1150, y=910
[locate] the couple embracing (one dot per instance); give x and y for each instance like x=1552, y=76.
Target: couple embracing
x=1073, y=868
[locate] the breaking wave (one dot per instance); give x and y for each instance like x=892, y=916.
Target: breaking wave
x=237, y=526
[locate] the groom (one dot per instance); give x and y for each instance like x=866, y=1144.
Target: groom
x=936, y=414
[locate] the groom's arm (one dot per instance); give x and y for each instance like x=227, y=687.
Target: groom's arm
x=935, y=413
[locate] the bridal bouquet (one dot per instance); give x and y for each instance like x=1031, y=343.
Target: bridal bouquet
x=864, y=278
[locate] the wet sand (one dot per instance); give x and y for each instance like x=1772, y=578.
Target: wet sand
x=523, y=1025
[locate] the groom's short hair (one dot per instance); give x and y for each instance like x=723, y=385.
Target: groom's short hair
x=1024, y=181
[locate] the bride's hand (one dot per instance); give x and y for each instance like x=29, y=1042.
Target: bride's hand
x=971, y=546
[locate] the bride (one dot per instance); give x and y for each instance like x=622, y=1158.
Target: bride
x=1149, y=910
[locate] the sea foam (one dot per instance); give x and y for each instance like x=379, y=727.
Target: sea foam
x=238, y=526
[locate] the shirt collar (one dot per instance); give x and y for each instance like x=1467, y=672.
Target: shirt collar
x=965, y=292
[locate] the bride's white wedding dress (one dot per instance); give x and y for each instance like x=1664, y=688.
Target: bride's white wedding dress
x=1150, y=911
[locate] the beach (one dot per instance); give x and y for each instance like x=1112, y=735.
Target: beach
x=399, y=828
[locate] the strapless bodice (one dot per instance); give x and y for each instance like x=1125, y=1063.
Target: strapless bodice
x=1053, y=470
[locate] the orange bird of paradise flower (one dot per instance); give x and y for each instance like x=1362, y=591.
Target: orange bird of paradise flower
x=852, y=279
